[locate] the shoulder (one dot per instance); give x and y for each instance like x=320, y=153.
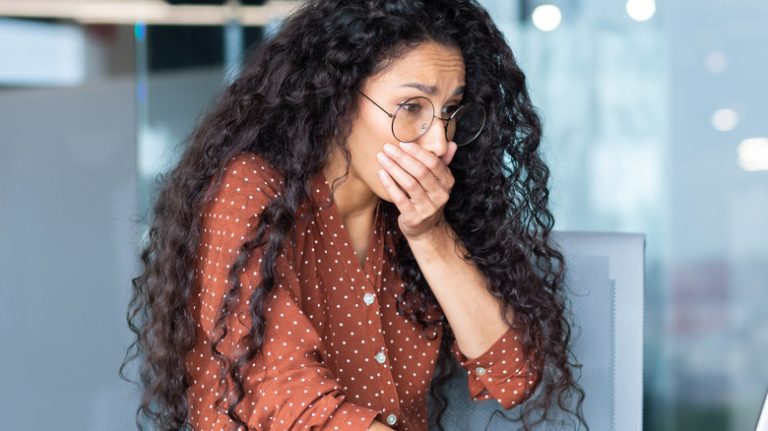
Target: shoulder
x=253, y=171
x=246, y=184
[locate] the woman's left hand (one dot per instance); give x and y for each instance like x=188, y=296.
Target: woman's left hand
x=419, y=183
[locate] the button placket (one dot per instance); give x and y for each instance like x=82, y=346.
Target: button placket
x=368, y=278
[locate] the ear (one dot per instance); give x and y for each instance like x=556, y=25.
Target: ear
x=452, y=147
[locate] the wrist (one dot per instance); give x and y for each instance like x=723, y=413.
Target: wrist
x=438, y=237
x=435, y=245
x=378, y=426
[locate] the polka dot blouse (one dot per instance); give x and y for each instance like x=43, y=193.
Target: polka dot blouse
x=336, y=354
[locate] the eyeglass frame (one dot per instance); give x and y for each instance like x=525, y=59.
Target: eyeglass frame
x=447, y=120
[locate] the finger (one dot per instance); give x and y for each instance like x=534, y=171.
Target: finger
x=397, y=195
x=416, y=168
x=424, y=204
x=435, y=164
x=404, y=179
x=438, y=189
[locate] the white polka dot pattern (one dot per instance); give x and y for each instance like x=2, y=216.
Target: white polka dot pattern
x=500, y=372
x=336, y=353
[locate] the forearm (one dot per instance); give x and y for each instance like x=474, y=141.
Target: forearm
x=461, y=289
x=378, y=426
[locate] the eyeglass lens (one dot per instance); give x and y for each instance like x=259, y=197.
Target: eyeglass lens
x=414, y=117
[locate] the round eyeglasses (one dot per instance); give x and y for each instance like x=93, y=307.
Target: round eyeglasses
x=414, y=117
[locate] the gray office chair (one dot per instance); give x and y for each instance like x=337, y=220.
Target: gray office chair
x=604, y=280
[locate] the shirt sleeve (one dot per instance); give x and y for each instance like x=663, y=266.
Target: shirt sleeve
x=286, y=385
x=500, y=372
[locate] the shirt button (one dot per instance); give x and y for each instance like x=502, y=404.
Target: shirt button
x=480, y=371
x=368, y=298
x=391, y=419
x=380, y=357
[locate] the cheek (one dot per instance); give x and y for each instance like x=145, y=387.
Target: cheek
x=371, y=144
x=365, y=164
x=376, y=181
x=371, y=131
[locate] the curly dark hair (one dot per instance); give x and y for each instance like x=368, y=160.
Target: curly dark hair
x=293, y=103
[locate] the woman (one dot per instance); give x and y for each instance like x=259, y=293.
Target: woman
x=301, y=274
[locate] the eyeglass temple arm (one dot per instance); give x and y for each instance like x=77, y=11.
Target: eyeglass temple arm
x=379, y=106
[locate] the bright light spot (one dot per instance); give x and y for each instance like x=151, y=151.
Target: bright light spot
x=154, y=149
x=725, y=120
x=716, y=61
x=641, y=10
x=753, y=154
x=546, y=17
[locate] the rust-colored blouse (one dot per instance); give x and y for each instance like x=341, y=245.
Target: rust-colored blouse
x=336, y=353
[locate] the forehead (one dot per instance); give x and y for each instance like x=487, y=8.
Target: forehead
x=430, y=63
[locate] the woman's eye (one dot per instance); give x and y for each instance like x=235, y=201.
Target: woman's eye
x=451, y=109
x=410, y=107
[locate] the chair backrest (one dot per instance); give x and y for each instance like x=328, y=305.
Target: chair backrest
x=762, y=421
x=605, y=281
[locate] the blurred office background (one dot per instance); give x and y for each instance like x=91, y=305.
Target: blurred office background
x=654, y=121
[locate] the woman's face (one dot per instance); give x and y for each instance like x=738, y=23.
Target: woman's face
x=430, y=70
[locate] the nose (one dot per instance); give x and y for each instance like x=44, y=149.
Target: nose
x=435, y=139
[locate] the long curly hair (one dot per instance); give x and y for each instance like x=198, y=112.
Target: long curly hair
x=293, y=103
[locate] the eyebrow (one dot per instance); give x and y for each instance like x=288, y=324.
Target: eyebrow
x=431, y=89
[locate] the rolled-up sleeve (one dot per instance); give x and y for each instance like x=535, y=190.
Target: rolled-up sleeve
x=500, y=372
x=286, y=385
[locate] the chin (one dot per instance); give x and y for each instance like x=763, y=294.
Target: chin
x=381, y=193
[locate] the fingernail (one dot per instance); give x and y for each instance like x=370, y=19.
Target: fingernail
x=406, y=145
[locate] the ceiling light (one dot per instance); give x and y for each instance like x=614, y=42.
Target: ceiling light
x=716, y=61
x=546, y=17
x=641, y=10
x=725, y=120
x=753, y=154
